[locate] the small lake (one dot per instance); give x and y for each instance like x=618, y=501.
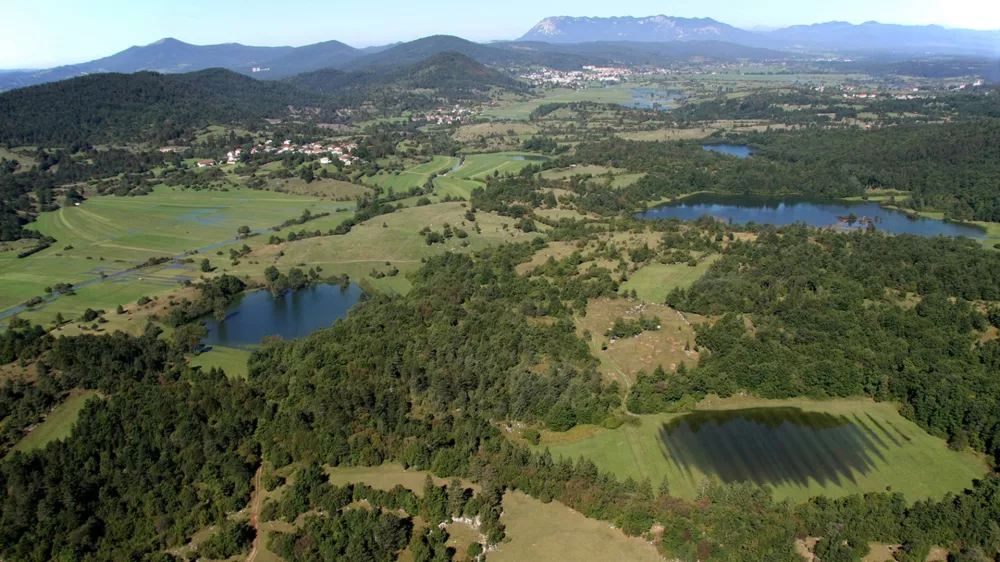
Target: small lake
x=737, y=150
x=814, y=212
x=650, y=98
x=529, y=157
x=297, y=314
x=776, y=446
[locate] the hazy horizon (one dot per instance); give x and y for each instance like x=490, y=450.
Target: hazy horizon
x=111, y=26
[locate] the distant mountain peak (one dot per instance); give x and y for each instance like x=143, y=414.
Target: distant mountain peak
x=568, y=29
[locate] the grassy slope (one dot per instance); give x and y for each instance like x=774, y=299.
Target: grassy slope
x=412, y=177
x=921, y=468
x=58, y=424
x=481, y=165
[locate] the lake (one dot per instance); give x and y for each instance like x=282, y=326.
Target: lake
x=776, y=446
x=648, y=98
x=737, y=150
x=297, y=314
x=814, y=212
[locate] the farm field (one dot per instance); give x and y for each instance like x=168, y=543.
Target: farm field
x=478, y=166
x=653, y=282
x=918, y=465
x=58, y=424
x=415, y=176
x=370, y=245
x=447, y=185
x=108, y=235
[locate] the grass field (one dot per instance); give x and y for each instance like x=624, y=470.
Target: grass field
x=112, y=234
x=58, y=423
x=370, y=245
x=482, y=165
x=415, y=176
x=920, y=467
x=232, y=361
x=653, y=282
x=447, y=185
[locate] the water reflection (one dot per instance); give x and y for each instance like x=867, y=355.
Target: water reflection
x=775, y=446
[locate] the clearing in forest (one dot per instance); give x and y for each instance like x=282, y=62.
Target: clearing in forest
x=896, y=455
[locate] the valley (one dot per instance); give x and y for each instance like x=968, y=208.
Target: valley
x=621, y=289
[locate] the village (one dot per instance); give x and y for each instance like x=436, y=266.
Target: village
x=328, y=153
x=443, y=116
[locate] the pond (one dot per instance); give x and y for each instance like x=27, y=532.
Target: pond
x=775, y=446
x=297, y=314
x=529, y=157
x=737, y=150
x=814, y=212
x=649, y=98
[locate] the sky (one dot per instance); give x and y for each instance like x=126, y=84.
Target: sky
x=44, y=34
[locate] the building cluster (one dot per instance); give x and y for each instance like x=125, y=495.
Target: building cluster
x=340, y=151
x=443, y=115
x=588, y=74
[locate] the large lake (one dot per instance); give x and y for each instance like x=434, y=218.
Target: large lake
x=776, y=445
x=297, y=314
x=814, y=212
x=737, y=150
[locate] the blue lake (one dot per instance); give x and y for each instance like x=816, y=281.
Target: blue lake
x=814, y=212
x=737, y=150
x=294, y=315
x=649, y=98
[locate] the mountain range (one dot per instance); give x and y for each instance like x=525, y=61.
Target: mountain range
x=832, y=36
x=558, y=42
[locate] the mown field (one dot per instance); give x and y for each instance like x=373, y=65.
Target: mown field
x=108, y=235
x=478, y=166
x=231, y=360
x=415, y=176
x=920, y=466
x=58, y=423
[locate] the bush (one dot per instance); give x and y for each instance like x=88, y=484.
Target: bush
x=531, y=436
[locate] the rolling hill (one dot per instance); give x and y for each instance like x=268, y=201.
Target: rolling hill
x=449, y=74
x=141, y=106
x=165, y=56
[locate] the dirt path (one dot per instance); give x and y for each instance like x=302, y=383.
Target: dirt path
x=254, y=513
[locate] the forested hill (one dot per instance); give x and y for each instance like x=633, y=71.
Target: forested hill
x=141, y=106
x=449, y=74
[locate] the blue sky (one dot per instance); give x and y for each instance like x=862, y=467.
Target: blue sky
x=41, y=34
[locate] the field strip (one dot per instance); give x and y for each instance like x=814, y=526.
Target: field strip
x=136, y=248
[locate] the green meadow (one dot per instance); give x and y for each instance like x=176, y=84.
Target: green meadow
x=447, y=185
x=231, y=360
x=58, y=423
x=522, y=109
x=108, y=235
x=415, y=176
x=478, y=166
x=653, y=282
x=918, y=465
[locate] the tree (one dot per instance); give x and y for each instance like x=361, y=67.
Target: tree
x=243, y=230
x=206, y=266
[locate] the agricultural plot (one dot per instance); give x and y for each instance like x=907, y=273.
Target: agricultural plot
x=409, y=178
x=100, y=240
x=58, y=423
x=478, y=166
x=831, y=448
x=447, y=185
x=653, y=282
